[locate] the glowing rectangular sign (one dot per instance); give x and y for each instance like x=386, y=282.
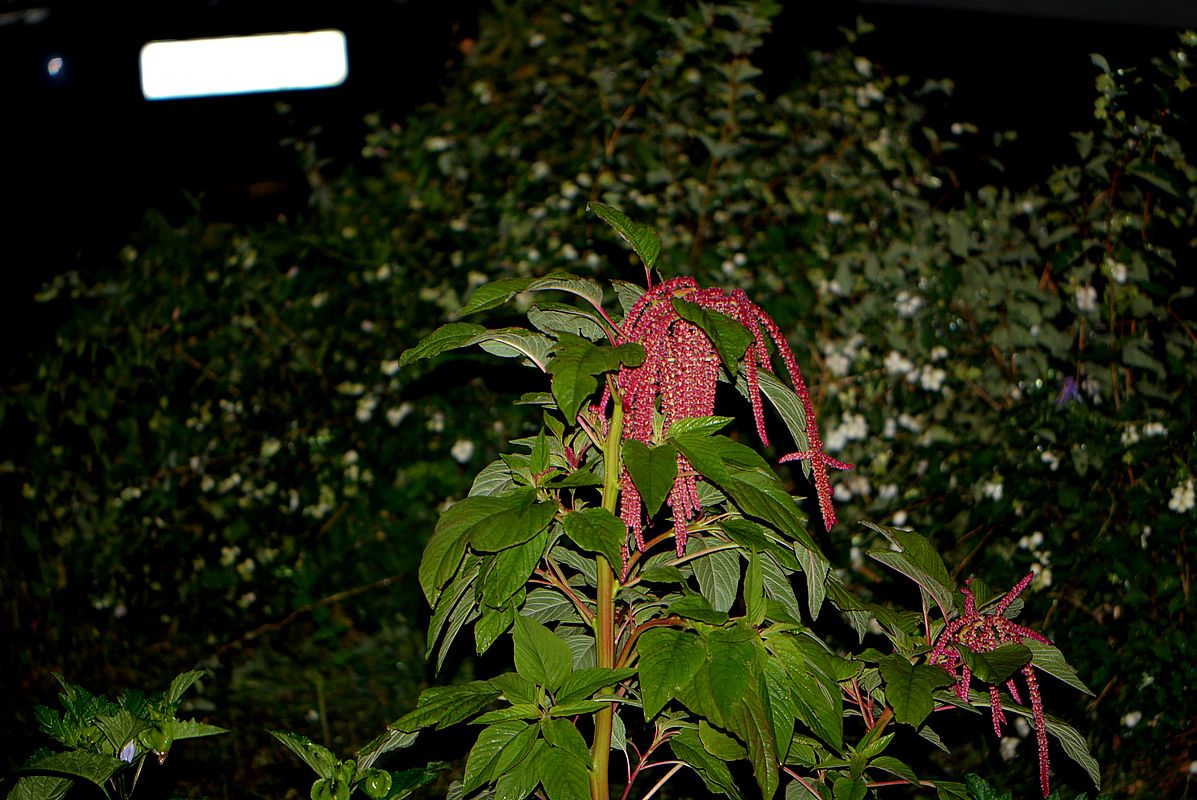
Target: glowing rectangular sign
x=227, y=65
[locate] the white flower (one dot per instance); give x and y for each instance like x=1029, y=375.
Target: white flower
x=1008, y=747
x=891, y=428
x=838, y=363
x=1183, y=497
x=398, y=413
x=887, y=492
x=228, y=555
x=1086, y=299
x=569, y=252
x=128, y=752
x=365, y=408
x=540, y=170
x=1132, y=718
x=1130, y=435
x=350, y=457
x=1031, y=542
x=1116, y=270
x=910, y=423
x=907, y=304
x=897, y=364
x=536, y=39
x=932, y=378
x=437, y=144
x=1155, y=429
x=899, y=519
x=835, y=217
x=993, y=490
x=569, y=190
x=269, y=448
x=1144, y=536
x=436, y=423
x=864, y=67
x=462, y=450
x=389, y=367
x=939, y=353
x=1051, y=459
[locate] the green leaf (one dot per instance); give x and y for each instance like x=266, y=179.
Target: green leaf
x=718, y=574
x=894, y=767
x=515, y=343
x=815, y=567
x=696, y=607
x=719, y=744
x=446, y=337
x=1049, y=659
x=120, y=727
x=919, y=561
x=702, y=426
x=498, y=747
x=750, y=720
x=981, y=789
x=455, y=602
x=1157, y=176
x=754, y=591
x=563, y=776
x=563, y=734
x=491, y=624
x=762, y=496
x=643, y=239
x=539, y=655
x=788, y=406
x=512, y=568
x=525, y=711
x=178, y=729
x=777, y=586
x=653, y=470
x=844, y=788
x=404, y=782
x=521, y=780
x=576, y=363
x=40, y=787
x=816, y=697
x=487, y=523
x=588, y=289
x=494, y=479
x=596, y=530
x=442, y=706
x=668, y=659
x=493, y=294
x=908, y=688
x=318, y=757
x=995, y=666
x=731, y=339
x=181, y=684
x=583, y=683
x=382, y=744
x=688, y=748
x=514, y=687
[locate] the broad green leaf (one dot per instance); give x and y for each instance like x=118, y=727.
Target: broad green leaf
x=777, y=586
x=596, y=530
x=318, y=757
x=563, y=776
x=512, y=568
x=750, y=720
x=494, y=294
x=729, y=671
x=697, y=607
x=627, y=294
x=514, y=687
x=1049, y=659
x=815, y=567
x=382, y=744
x=181, y=684
x=952, y=790
x=981, y=789
x=404, y=782
x=797, y=791
x=719, y=744
x=703, y=426
x=549, y=605
x=919, y=561
x=442, y=706
x=446, y=337
x=731, y=339
x=516, y=343
x=583, y=683
x=525, y=711
x=120, y=728
x=908, y=688
x=578, y=361
x=91, y=767
x=1073, y=743
x=894, y=767
x=178, y=729
x=816, y=697
x=754, y=590
x=588, y=289
x=687, y=746
x=788, y=406
x=1157, y=176
x=668, y=659
x=762, y=496
x=643, y=239
x=40, y=787
x=491, y=624
x=539, y=655
x=494, y=479
x=519, y=521
x=498, y=746
x=995, y=666
x=718, y=574
x=844, y=788
x=521, y=780
x=563, y=734
x=457, y=597
x=653, y=470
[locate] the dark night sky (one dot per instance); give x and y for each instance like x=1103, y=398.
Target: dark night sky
x=84, y=155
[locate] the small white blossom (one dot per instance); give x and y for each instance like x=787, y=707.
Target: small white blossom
x=1183, y=498
x=365, y=408
x=899, y=519
x=1130, y=435
x=1144, y=536
x=569, y=190
x=228, y=555
x=436, y=422
x=910, y=423
x=891, y=428
x=462, y=450
x=1116, y=270
x=898, y=364
x=864, y=67
x=389, y=367
x=838, y=363
x=835, y=217
x=939, y=353
x=540, y=170
x=932, y=378
x=907, y=304
x=993, y=490
x=887, y=492
x=1050, y=458
x=569, y=252
x=269, y=447
x=398, y=413
x=1155, y=429
x=1132, y=718
x=1086, y=299
x=437, y=144
x=1031, y=542
x=1008, y=747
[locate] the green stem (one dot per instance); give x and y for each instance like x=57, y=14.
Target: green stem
x=604, y=622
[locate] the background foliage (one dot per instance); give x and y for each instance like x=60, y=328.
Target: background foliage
x=217, y=464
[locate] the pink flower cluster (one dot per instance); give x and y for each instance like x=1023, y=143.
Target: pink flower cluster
x=982, y=633
x=680, y=371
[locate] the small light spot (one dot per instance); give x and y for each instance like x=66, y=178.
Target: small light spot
x=54, y=66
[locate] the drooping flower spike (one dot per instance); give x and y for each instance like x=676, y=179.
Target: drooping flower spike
x=681, y=369
x=983, y=633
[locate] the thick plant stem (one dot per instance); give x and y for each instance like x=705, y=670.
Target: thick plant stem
x=604, y=618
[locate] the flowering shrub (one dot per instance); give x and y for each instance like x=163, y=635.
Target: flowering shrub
x=704, y=647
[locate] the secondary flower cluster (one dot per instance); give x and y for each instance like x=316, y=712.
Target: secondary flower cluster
x=680, y=370
x=982, y=633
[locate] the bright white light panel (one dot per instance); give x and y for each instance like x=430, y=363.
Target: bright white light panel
x=243, y=64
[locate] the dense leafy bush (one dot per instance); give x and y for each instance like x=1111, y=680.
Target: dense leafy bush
x=219, y=457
